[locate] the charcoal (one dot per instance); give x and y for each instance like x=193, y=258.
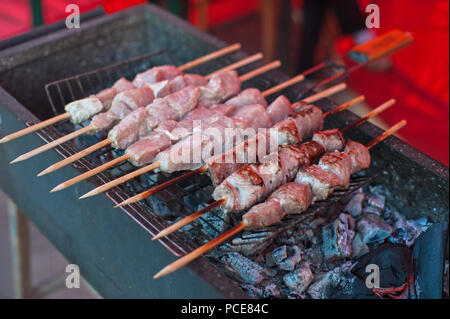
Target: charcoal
x=359, y=248
x=213, y=224
x=287, y=257
x=249, y=271
x=279, y=254
x=338, y=283
x=377, y=201
x=337, y=238
x=253, y=292
x=249, y=243
x=355, y=205
x=407, y=231
x=373, y=229
x=271, y=290
x=372, y=210
x=299, y=279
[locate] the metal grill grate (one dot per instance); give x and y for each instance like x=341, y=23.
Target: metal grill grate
x=177, y=201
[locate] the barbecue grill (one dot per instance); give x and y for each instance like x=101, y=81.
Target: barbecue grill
x=113, y=247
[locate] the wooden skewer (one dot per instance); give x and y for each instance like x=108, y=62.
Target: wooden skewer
x=205, y=210
x=148, y=168
x=125, y=157
x=266, y=68
x=183, y=222
x=52, y=144
x=162, y=186
x=88, y=174
x=386, y=134
x=199, y=251
x=239, y=64
x=277, y=88
x=121, y=180
x=65, y=116
x=35, y=127
x=210, y=56
x=151, y=191
x=371, y=114
x=345, y=106
x=239, y=227
x=76, y=157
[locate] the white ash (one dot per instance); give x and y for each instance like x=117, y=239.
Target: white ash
x=299, y=279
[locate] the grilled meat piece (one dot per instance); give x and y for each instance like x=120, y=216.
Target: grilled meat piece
x=221, y=87
x=123, y=104
x=321, y=181
x=156, y=74
x=83, y=109
x=248, y=96
x=332, y=140
x=359, y=155
x=180, y=82
x=279, y=109
x=291, y=198
x=340, y=165
x=184, y=155
x=255, y=115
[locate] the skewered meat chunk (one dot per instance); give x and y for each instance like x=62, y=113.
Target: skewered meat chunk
x=264, y=214
x=308, y=120
x=291, y=198
x=241, y=189
x=225, y=109
x=339, y=164
x=145, y=150
x=220, y=87
x=83, y=109
x=254, y=115
x=288, y=132
x=123, y=84
x=332, y=140
x=247, y=97
x=359, y=155
x=156, y=74
x=185, y=154
x=180, y=82
x=106, y=96
x=279, y=109
x=123, y=104
x=133, y=127
x=321, y=181
x=199, y=113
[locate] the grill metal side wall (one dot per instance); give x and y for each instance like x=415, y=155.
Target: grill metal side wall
x=113, y=250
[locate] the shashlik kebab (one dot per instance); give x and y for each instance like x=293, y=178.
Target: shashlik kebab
x=131, y=100
x=215, y=116
x=299, y=124
x=256, y=116
x=253, y=182
x=103, y=99
x=313, y=183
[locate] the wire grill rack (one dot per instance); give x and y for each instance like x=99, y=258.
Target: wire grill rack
x=173, y=203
